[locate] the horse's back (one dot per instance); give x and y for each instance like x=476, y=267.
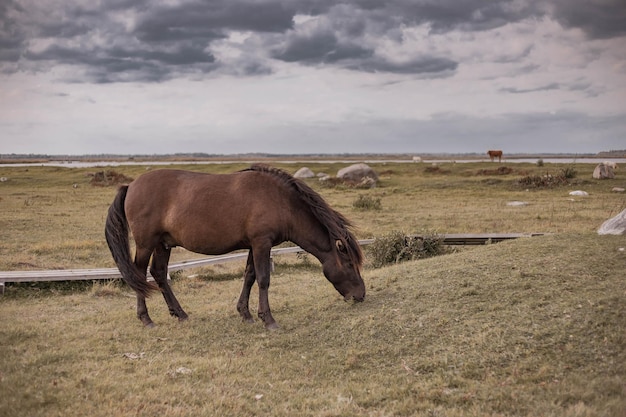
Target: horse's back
x=188, y=187
x=206, y=213
x=168, y=189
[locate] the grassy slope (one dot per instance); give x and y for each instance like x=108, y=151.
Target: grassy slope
x=528, y=327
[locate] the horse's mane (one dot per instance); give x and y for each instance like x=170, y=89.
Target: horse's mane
x=338, y=226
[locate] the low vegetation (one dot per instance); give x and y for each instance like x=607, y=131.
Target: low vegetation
x=397, y=246
x=367, y=202
x=563, y=178
x=528, y=327
x=108, y=177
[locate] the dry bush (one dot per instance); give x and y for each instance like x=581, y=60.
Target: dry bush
x=548, y=180
x=396, y=247
x=543, y=181
x=108, y=178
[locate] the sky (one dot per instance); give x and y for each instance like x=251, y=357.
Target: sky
x=312, y=76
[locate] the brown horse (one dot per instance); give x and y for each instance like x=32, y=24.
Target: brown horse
x=254, y=209
x=495, y=154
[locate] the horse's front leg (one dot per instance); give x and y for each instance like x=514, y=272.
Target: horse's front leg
x=262, y=268
x=158, y=269
x=244, y=299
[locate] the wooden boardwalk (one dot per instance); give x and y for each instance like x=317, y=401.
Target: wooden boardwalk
x=113, y=273
x=483, y=238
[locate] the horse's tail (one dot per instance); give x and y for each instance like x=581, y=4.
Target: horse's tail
x=116, y=233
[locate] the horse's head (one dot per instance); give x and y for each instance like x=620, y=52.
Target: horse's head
x=342, y=269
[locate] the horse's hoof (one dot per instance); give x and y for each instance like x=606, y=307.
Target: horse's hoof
x=182, y=319
x=272, y=326
x=150, y=325
x=146, y=320
x=248, y=320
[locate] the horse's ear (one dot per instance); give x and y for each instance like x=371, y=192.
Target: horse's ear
x=340, y=246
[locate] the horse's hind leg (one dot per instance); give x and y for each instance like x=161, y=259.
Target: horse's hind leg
x=158, y=269
x=244, y=299
x=142, y=258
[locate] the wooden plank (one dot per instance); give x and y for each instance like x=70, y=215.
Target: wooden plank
x=59, y=275
x=113, y=273
x=482, y=238
x=212, y=260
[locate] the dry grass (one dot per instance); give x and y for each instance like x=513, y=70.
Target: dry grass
x=522, y=328
x=529, y=327
x=46, y=208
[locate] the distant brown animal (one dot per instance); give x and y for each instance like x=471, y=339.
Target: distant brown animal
x=495, y=154
x=255, y=209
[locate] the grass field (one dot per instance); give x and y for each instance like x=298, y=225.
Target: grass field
x=528, y=327
x=53, y=218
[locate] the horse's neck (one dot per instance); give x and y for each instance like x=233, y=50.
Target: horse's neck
x=311, y=236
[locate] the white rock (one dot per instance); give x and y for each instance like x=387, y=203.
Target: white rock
x=579, y=193
x=603, y=171
x=357, y=172
x=614, y=226
x=304, y=172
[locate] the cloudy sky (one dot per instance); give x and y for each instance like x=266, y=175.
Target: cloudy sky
x=312, y=76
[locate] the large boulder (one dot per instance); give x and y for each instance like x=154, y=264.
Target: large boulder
x=603, y=171
x=614, y=226
x=357, y=173
x=304, y=172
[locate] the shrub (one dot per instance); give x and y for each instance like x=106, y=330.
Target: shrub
x=543, y=181
x=569, y=172
x=539, y=162
x=365, y=202
x=397, y=247
x=108, y=177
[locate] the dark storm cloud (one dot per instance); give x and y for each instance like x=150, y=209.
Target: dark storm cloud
x=580, y=85
x=11, y=41
x=209, y=21
x=551, y=86
x=471, y=15
x=425, y=65
x=121, y=64
x=146, y=41
x=321, y=47
x=598, y=19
